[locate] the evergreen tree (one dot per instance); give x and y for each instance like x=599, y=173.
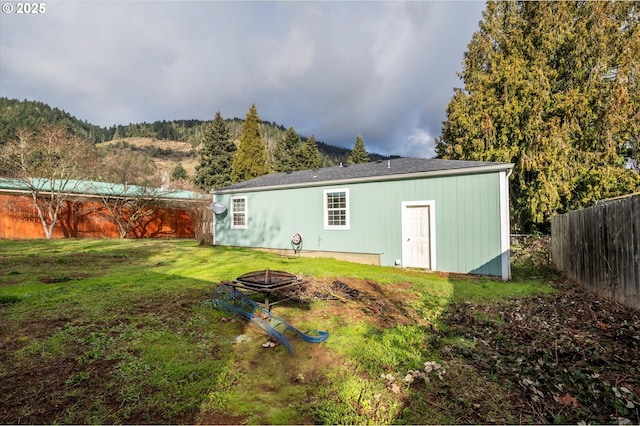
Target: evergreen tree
x=250, y=160
x=216, y=156
x=287, y=155
x=359, y=153
x=179, y=173
x=311, y=157
x=553, y=88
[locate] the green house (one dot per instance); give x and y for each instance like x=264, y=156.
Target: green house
x=440, y=215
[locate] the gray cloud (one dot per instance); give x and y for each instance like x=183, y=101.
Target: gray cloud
x=385, y=70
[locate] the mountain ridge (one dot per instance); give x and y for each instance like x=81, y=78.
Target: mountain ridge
x=167, y=143
x=32, y=115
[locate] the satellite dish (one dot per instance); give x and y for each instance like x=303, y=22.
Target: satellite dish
x=218, y=208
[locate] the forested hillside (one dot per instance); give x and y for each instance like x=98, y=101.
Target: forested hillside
x=32, y=115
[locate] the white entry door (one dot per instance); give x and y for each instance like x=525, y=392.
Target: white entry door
x=416, y=234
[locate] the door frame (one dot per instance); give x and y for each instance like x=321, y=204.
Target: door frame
x=431, y=204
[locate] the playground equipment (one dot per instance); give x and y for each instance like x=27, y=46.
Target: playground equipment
x=230, y=300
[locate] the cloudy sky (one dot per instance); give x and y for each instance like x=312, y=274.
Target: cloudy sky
x=383, y=69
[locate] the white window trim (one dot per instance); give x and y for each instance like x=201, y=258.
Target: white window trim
x=347, y=225
x=246, y=213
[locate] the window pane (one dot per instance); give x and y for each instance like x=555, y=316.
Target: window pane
x=336, y=218
x=238, y=219
x=336, y=200
x=330, y=201
x=238, y=204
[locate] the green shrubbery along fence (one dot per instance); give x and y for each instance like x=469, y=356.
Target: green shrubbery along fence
x=599, y=248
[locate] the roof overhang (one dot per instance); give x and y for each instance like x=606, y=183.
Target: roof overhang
x=498, y=167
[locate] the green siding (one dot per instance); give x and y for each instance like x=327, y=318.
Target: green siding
x=467, y=220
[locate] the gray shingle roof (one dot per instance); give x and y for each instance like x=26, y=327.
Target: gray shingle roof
x=397, y=168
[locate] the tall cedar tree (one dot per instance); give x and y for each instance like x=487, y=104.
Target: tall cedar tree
x=216, y=156
x=553, y=88
x=311, y=157
x=250, y=160
x=287, y=155
x=359, y=153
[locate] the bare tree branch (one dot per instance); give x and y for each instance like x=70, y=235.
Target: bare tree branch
x=50, y=165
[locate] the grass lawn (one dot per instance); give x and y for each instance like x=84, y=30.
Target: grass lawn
x=122, y=331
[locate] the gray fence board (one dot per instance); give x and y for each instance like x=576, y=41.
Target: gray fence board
x=599, y=248
x=635, y=203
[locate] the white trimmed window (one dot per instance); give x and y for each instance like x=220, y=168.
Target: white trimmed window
x=336, y=209
x=239, y=213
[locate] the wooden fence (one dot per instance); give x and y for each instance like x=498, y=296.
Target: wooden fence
x=599, y=248
x=82, y=218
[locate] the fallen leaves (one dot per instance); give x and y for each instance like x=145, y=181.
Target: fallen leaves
x=430, y=368
x=567, y=357
x=568, y=401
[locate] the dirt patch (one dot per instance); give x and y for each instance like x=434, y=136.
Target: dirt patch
x=359, y=300
x=15, y=337
x=40, y=392
x=164, y=304
x=172, y=308
x=219, y=419
x=62, y=278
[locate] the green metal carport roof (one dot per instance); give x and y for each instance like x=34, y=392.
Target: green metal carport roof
x=92, y=188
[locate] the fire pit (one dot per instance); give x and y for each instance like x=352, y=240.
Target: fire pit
x=265, y=282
